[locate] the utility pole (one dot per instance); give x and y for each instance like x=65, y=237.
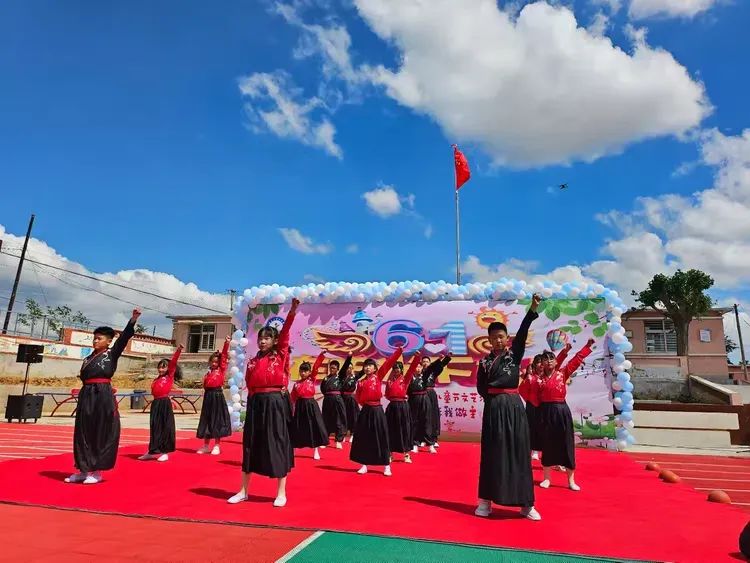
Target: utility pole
x=742, y=346
x=18, y=277
x=232, y=293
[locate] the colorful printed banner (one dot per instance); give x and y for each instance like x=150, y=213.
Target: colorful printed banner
x=458, y=327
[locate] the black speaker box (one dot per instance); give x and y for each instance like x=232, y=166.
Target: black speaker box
x=23, y=407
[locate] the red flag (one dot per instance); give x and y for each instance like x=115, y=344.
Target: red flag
x=462, y=168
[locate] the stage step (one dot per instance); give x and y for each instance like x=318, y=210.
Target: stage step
x=684, y=429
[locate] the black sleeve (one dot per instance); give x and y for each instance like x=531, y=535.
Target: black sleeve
x=481, y=380
x=359, y=375
x=345, y=367
x=122, y=341
x=519, y=340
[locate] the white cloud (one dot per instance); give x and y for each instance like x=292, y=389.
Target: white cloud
x=642, y=9
x=517, y=86
x=384, y=202
x=312, y=278
x=599, y=24
x=612, y=5
x=301, y=243
x=352, y=249
x=53, y=287
x=276, y=105
x=428, y=230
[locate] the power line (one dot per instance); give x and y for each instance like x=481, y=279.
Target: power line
x=152, y=294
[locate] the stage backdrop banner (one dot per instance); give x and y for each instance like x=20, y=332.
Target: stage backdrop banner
x=460, y=328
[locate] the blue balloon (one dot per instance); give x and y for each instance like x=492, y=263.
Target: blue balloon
x=619, y=358
x=627, y=397
x=615, y=327
x=626, y=347
x=623, y=377
x=630, y=439
x=628, y=386
x=618, y=395
x=627, y=407
x=626, y=416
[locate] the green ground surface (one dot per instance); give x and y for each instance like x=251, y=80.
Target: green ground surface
x=334, y=548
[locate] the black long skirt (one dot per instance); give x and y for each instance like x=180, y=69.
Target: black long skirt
x=398, y=417
x=505, y=462
x=435, y=414
x=532, y=415
x=421, y=418
x=371, y=446
x=558, y=441
x=96, y=436
x=351, y=407
x=308, y=429
x=214, y=421
x=334, y=415
x=161, y=423
x=266, y=443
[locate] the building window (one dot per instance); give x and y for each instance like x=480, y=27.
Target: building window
x=201, y=338
x=661, y=337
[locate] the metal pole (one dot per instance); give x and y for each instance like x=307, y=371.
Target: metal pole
x=458, y=243
x=232, y=293
x=742, y=346
x=18, y=277
x=26, y=379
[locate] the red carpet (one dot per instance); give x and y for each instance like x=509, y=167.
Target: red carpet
x=623, y=510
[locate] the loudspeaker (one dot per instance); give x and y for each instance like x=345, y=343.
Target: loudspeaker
x=29, y=353
x=23, y=407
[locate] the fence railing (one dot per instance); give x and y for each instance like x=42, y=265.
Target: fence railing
x=43, y=327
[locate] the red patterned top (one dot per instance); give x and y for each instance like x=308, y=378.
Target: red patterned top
x=305, y=388
x=370, y=388
x=162, y=385
x=270, y=369
x=395, y=388
x=215, y=377
x=554, y=388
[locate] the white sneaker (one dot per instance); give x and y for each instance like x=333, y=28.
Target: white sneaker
x=93, y=478
x=316, y=454
x=238, y=498
x=216, y=450
x=531, y=514
x=279, y=502
x=162, y=457
x=484, y=509
x=433, y=450
x=339, y=446
x=544, y=484
x=351, y=438
x=146, y=457
x=422, y=445
x=76, y=478
x=415, y=450
x=407, y=458
x=203, y=450
x=573, y=487
x=437, y=445
x=387, y=471
x=362, y=470
x=535, y=456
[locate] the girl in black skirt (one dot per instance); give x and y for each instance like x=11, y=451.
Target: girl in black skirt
x=266, y=445
x=529, y=391
x=419, y=407
x=334, y=410
x=214, y=423
x=348, y=389
x=308, y=429
x=505, y=458
x=371, y=430
x=161, y=420
x=432, y=371
x=397, y=413
x=555, y=420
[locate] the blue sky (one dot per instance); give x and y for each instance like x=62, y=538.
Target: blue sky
x=124, y=128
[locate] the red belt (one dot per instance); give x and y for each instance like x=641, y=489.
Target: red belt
x=498, y=391
x=348, y=393
x=397, y=400
x=418, y=393
x=97, y=380
x=372, y=403
x=557, y=401
x=333, y=393
x=267, y=390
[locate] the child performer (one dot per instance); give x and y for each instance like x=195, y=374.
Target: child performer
x=505, y=460
x=308, y=429
x=431, y=373
x=214, y=423
x=555, y=420
x=96, y=436
x=161, y=420
x=348, y=388
x=334, y=411
x=397, y=413
x=266, y=446
x=529, y=391
x=419, y=406
x=371, y=429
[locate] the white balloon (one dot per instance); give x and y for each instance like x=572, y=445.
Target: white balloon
x=622, y=445
x=236, y=398
x=234, y=371
x=618, y=338
x=546, y=292
x=236, y=407
x=616, y=386
x=617, y=312
x=627, y=364
x=243, y=342
x=619, y=368
x=617, y=402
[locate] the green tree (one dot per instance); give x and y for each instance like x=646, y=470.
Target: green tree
x=680, y=297
x=33, y=315
x=140, y=329
x=730, y=344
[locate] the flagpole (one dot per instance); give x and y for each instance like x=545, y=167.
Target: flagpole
x=458, y=242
